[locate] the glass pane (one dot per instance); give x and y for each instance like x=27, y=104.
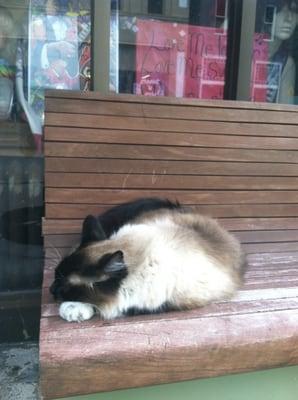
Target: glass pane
x=43, y=44
x=273, y=78
x=58, y=51
x=169, y=48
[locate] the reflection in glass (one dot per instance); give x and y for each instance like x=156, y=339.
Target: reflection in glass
x=274, y=53
x=43, y=44
x=58, y=48
x=179, y=51
x=7, y=65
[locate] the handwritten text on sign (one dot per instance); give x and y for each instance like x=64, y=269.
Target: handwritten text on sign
x=184, y=60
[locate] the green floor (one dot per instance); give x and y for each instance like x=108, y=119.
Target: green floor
x=276, y=384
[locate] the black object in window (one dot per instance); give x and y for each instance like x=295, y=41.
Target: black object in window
x=269, y=14
x=155, y=6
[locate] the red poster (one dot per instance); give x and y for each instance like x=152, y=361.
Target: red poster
x=189, y=61
x=180, y=60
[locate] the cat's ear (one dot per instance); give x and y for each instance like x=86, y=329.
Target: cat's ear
x=114, y=264
x=92, y=231
x=110, y=265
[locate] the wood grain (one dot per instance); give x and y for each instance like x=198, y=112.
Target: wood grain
x=162, y=351
x=202, y=136
x=165, y=111
x=67, y=226
x=69, y=211
x=154, y=181
x=192, y=197
x=168, y=167
x=82, y=150
x=127, y=98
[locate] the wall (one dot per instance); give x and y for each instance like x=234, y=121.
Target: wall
x=276, y=384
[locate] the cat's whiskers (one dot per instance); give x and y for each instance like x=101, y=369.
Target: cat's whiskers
x=91, y=287
x=59, y=255
x=52, y=263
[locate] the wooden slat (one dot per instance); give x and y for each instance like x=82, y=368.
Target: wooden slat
x=59, y=226
x=168, y=167
x=255, y=224
x=82, y=150
x=72, y=95
x=56, y=241
x=249, y=237
x=167, y=125
x=69, y=211
x=267, y=236
x=113, y=196
x=154, y=181
x=179, y=139
x=269, y=247
x=165, y=111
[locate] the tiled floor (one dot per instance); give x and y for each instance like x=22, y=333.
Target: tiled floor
x=19, y=371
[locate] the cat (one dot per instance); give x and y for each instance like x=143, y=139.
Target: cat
x=147, y=256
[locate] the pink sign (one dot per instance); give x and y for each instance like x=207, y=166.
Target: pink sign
x=180, y=60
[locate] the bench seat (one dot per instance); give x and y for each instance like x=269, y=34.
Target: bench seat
x=235, y=161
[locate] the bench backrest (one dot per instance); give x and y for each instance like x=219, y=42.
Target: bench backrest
x=236, y=161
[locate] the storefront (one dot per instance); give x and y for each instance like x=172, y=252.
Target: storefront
x=236, y=50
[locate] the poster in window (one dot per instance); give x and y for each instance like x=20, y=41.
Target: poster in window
x=180, y=60
x=58, y=48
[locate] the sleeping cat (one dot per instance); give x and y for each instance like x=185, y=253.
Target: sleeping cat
x=150, y=255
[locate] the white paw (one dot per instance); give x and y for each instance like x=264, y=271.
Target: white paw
x=74, y=311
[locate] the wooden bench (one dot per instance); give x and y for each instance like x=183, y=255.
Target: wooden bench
x=236, y=161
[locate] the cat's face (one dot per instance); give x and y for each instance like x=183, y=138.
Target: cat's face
x=91, y=273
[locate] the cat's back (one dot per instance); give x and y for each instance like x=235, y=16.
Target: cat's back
x=187, y=229
x=189, y=223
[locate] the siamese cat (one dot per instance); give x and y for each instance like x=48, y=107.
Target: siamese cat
x=147, y=256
